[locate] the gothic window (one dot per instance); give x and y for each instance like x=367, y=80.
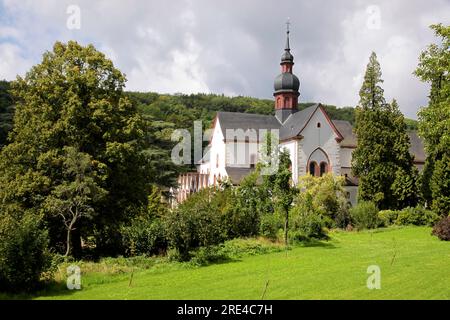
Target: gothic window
x=323, y=168
x=312, y=168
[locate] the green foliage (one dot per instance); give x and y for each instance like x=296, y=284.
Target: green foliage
x=74, y=98
x=365, y=215
x=328, y=197
x=442, y=229
x=6, y=111
x=207, y=255
x=197, y=222
x=307, y=221
x=387, y=217
x=434, y=119
x=382, y=160
x=417, y=216
x=270, y=225
x=24, y=255
x=440, y=185
x=247, y=205
x=144, y=237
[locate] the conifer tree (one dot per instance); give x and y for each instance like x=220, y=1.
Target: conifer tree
x=382, y=160
x=434, y=121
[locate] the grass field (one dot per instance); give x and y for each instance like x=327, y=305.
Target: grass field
x=414, y=265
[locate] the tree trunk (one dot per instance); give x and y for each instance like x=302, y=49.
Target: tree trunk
x=286, y=222
x=76, y=242
x=68, y=242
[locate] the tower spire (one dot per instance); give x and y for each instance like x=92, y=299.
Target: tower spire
x=286, y=84
x=288, y=23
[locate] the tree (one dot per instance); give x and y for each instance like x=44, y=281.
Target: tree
x=382, y=160
x=434, y=119
x=6, y=111
x=74, y=98
x=73, y=199
x=282, y=189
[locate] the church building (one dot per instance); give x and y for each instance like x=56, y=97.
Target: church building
x=316, y=143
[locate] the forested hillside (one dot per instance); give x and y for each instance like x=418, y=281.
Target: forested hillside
x=180, y=110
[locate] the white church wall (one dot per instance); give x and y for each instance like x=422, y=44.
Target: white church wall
x=217, y=155
x=346, y=157
x=291, y=147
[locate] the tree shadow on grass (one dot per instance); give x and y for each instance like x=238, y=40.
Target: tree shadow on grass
x=317, y=243
x=47, y=289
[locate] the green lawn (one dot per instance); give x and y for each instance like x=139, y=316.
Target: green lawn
x=414, y=265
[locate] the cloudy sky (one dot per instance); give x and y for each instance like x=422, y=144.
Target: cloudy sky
x=234, y=47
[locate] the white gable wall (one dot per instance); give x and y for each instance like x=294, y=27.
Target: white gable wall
x=217, y=152
x=313, y=138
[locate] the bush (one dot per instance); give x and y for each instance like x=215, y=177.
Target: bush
x=329, y=196
x=197, y=222
x=144, y=237
x=270, y=225
x=206, y=255
x=306, y=219
x=387, y=217
x=365, y=215
x=307, y=227
x=23, y=252
x=442, y=229
x=417, y=216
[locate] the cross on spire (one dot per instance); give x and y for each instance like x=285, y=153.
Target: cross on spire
x=288, y=23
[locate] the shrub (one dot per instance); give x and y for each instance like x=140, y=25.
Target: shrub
x=246, y=205
x=206, y=255
x=144, y=237
x=365, y=215
x=418, y=216
x=329, y=196
x=197, y=222
x=387, y=217
x=442, y=229
x=306, y=220
x=238, y=248
x=23, y=252
x=270, y=225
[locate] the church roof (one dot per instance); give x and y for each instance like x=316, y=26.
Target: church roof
x=346, y=130
x=296, y=122
x=245, y=121
x=237, y=174
x=294, y=125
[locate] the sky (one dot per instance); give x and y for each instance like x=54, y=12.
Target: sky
x=234, y=47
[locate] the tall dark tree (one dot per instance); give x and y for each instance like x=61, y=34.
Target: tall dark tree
x=74, y=98
x=382, y=160
x=283, y=194
x=434, y=120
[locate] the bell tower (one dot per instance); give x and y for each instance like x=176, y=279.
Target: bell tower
x=286, y=85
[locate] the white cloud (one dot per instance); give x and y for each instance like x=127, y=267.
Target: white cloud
x=204, y=46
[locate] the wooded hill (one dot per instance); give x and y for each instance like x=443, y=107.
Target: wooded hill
x=170, y=111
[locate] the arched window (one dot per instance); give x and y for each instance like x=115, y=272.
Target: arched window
x=318, y=124
x=312, y=168
x=286, y=101
x=323, y=168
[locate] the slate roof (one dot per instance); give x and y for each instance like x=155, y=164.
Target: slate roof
x=237, y=174
x=296, y=122
x=345, y=128
x=293, y=126
x=245, y=121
